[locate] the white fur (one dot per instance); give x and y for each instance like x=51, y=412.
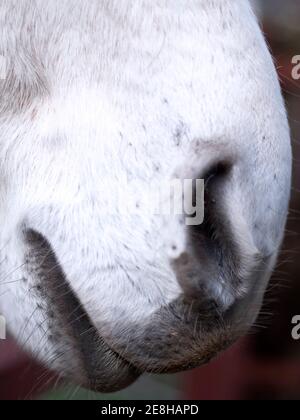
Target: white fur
x=100, y=88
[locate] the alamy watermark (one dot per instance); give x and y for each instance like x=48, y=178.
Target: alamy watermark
x=296, y=329
x=296, y=67
x=139, y=198
x=176, y=197
x=2, y=327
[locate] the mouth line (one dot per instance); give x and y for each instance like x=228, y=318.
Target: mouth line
x=96, y=354
x=104, y=369
x=109, y=364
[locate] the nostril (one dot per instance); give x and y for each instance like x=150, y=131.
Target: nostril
x=214, y=178
x=217, y=170
x=220, y=258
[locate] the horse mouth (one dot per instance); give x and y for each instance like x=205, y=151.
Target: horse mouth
x=105, y=370
x=108, y=361
x=101, y=368
x=103, y=365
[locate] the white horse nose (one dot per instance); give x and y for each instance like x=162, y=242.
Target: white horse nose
x=219, y=259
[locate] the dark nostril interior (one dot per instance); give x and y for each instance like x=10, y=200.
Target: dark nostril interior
x=207, y=238
x=206, y=234
x=217, y=264
x=221, y=260
x=209, y=267
x=217, y=170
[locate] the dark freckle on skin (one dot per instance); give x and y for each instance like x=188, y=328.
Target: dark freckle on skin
x=178, y=138
x=156, y=168
x=179, y=133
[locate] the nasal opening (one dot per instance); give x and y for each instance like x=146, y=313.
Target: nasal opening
x=220, y=256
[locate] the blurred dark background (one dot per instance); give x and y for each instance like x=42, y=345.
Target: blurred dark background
x=264, y=365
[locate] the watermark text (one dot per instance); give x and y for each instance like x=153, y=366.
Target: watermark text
x=2, y=328
x=296, y=67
